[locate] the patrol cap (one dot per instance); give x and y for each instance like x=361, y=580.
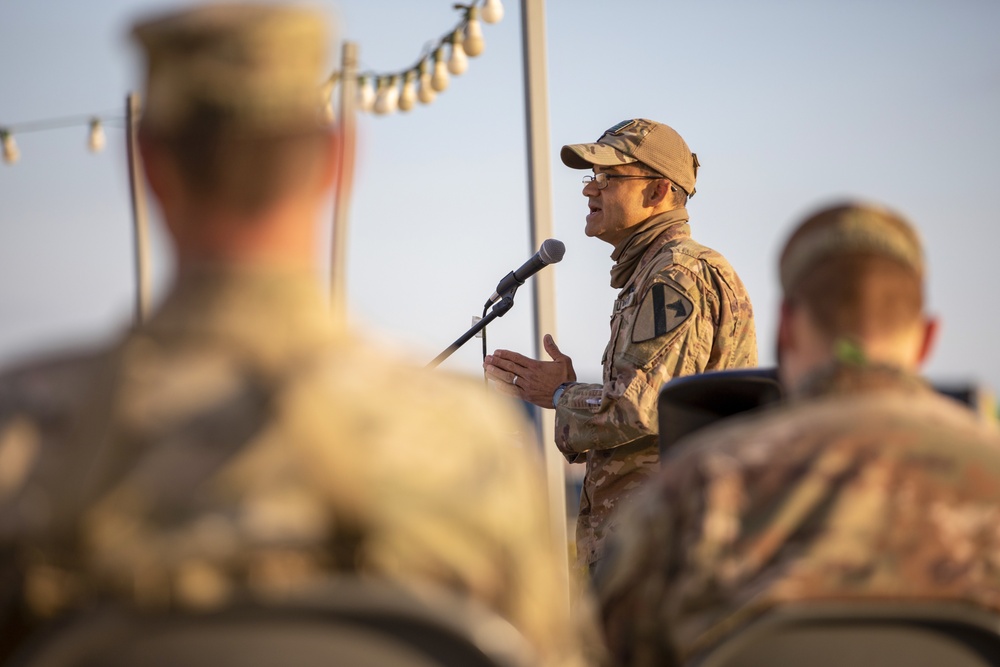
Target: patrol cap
x=654, y=144
x=255, y=67
x=849, y=228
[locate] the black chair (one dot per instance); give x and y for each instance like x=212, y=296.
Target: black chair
x=863, y=634
x=688, y=403
x=351, y=622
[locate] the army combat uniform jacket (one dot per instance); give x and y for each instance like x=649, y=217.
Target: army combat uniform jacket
x=872, y=486
x=681, y=310
x=237, y=445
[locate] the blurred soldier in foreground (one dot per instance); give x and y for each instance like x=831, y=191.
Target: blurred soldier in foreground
x=238, y=443
x=866, y=484
x=681, y=309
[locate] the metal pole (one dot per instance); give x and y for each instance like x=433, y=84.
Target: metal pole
x=347, y=130
x=540, y=201
x=140, y=222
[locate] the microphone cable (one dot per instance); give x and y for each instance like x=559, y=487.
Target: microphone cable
x=486, y=379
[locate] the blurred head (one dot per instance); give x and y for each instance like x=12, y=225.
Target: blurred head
x=852, y=277
x=661, y=172
x=231, y=128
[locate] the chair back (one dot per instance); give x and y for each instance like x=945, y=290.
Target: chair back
x=864, y=633
x=348, y=622
x=691, y=402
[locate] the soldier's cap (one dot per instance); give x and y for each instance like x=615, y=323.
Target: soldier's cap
x=255, y=67
x=656, y=145
x=849, y=228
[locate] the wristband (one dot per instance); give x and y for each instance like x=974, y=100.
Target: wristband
x=557, y=394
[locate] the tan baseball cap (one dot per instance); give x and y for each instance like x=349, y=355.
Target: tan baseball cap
x=654, y=144
x=256, y=67
x=845, y=229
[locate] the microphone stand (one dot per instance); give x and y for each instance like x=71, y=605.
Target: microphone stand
x=500, y=309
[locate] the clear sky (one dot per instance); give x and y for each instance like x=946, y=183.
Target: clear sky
x=788, y=104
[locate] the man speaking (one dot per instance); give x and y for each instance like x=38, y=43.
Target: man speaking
x=681, y=309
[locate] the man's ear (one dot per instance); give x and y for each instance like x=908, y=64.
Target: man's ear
x=658, y=192
x=334, y=164
x=153, y=165
x=789, y=351
x=166, y=183
x=786, y=332
x=930, y=333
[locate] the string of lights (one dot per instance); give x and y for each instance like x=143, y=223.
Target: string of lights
x=383, y=93
x=380, y=93
x=95, y=123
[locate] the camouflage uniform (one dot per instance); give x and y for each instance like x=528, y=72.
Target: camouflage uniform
x=871, y=486
x=681, y=310
x=238, y=444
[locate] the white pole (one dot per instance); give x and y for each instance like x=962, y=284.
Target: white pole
x=540, y=202
x=347, y=130
x=139, y=218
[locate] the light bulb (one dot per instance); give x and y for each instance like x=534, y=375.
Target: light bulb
x=474, y=42
x=366, y=94
x=392, y=94
x=492, y=11
x=409, y=95
x=96, y=138
x=378, y=93
x=459, y=62
x=426, y=92
x=388, y=96
x=439, y=80
x=10, y=152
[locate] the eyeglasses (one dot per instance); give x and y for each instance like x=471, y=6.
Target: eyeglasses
x=601, y=179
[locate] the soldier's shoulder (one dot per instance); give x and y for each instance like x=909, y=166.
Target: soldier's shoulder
x=692, y=265
x=911, y=418
x=784, y=432
x=41, y=401
x=44, y=383
x=390, y=369
x=942, y=422
x=876, y=422
x=378, y=382
x=690, y=252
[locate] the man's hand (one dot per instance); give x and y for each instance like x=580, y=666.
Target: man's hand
x=529, y=379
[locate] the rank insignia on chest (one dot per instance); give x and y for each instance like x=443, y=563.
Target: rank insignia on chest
x=663, y=309
x=621, y=303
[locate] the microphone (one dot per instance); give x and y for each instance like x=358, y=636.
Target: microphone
x=552, y=251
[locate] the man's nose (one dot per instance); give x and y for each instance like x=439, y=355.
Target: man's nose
x=590, y=189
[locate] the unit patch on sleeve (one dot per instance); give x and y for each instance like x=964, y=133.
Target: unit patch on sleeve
x=662, y=310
